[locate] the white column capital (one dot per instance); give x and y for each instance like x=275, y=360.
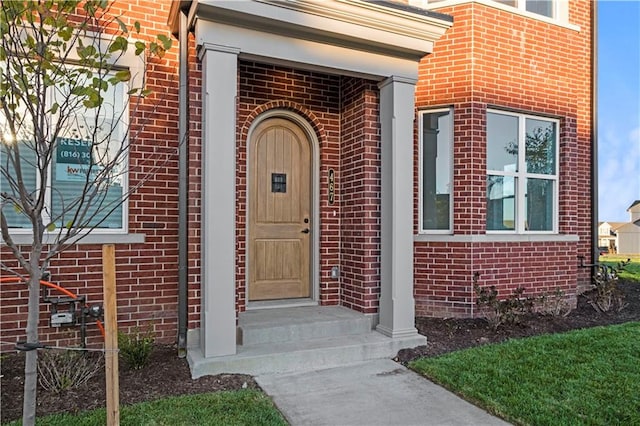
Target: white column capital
x=206, y=47
x=397, y=79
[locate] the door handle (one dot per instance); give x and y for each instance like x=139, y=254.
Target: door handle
x=305, y=231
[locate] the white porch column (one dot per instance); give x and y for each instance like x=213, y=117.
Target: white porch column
x=218, y=312
x=397, y=309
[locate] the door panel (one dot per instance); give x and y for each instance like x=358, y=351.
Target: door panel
x=279, y=212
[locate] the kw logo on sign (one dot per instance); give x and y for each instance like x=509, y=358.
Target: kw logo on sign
x=77, y=170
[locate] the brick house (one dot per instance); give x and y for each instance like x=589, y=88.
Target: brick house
x=382, y=157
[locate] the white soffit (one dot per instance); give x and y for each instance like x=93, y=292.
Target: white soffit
x=321, y=33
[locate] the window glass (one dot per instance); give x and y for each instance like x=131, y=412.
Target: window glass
x=540, y=146
x=541, y=7
x=91, y=140
x=15, y=218
x=502, y=142
x=501, y=207
x=437, y=140
x=539, y=205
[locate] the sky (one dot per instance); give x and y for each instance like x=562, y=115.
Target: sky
x=618, y=108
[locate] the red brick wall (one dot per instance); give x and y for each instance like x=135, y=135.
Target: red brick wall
x=360, y=195
x=195, y=185
x=498, y=59
x=442, y=276
x=146, y=273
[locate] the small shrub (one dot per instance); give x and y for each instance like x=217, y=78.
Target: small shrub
x=606, y=295
x=498, y=312
x=135, y=348
x=555, y=304
x=58, y=371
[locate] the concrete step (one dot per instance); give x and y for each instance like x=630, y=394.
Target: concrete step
x=299, y=324
x=305, y=355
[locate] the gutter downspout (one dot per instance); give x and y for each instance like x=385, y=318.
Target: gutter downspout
x=183, y=184
x=594, y=133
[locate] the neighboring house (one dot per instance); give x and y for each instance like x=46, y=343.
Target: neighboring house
x=607, y=237
x=626, y=235
x=385, y=157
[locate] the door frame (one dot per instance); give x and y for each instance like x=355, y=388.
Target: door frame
x=314, y=256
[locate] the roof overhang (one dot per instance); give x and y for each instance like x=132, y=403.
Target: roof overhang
x=384, y=29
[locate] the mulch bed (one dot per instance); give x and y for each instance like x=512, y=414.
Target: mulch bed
x=168, y=375
x=448, y=335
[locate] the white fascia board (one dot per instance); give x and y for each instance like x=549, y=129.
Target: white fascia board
x=351, y=23
x=372, y=15
x=304, y=54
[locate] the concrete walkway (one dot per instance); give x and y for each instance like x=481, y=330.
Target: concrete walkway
x=378, y=392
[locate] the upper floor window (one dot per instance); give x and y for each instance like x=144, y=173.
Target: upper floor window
x=522, y=173
x=540, y=7
x=436, y=170
x=93, y=138
x=554, y=9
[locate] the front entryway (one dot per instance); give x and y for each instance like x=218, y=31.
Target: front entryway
x=279, y=212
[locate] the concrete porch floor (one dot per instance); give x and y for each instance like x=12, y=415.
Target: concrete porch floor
x=284, y=340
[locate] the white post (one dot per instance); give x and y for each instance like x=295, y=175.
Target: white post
x=218, y=314
x=397, y=309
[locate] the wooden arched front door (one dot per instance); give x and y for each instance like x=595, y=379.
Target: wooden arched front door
x=279, y=212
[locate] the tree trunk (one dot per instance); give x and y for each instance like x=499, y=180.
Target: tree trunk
x=31, y=359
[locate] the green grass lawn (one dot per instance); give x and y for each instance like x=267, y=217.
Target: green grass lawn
x=631, y=271
x=245, y=407
x=585, y=377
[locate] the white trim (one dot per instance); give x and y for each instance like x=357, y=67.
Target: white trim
x=371, y=26
x=92, y=238
x=314, y=259
x=421, y=230
x=561, y=10
x=305, y=54
x=496, y=238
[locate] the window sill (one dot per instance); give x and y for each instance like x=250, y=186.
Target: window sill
x=496, y=238
x=27, y=239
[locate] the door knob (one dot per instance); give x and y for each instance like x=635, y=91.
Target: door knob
x=306, y=231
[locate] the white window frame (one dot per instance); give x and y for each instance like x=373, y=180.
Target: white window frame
x=560, y=9
x=522, y=175
x=124, y=229
x=521, y=5
x=421, y=113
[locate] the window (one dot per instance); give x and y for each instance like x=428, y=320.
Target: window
x=522, y=173
x=93, y=138
x=436, y=169
x=539, y=7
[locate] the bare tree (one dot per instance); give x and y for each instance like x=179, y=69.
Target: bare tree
x=67, y=90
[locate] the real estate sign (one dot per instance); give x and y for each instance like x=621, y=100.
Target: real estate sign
x=73, y=159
